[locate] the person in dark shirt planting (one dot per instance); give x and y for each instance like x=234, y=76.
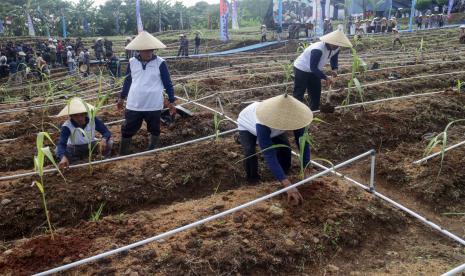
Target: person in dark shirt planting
x=268, y=122
x=308, y=67
x=78, y=132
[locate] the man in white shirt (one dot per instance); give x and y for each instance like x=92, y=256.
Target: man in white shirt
x=70, y=60
x=308, y=67
x=147, y=77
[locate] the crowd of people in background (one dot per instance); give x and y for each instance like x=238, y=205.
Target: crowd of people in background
x=20, y=61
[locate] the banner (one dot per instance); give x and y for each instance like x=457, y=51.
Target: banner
x=235, y=23
x=65, y=35
x=318, y=18
x=224, y=19
x=449, y=8
x=29, y=25
x=140, y=27
x=412, y=15
x=2, y=29
x=279, y=20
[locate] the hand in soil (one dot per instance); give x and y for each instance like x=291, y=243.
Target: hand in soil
x=64, y=163
x=293, y=195
x=329, y=81
x=172, y=108
x=327, y=108
x=120, y=104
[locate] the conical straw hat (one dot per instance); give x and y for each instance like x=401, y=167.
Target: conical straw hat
x=284, y=112
x=75, y=106
x=145, y=41
x=337, y=38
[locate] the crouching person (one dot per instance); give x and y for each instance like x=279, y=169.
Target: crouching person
x=268, y=122
x=78, y=132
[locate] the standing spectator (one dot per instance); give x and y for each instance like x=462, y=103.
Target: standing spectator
x=197, y=43
x=53, y=54
x=41, y=67
x=70, y=60
x=263, y=33
x=396, y=38
x=79, y=45
x=3, y=65
x=98, y=48
x=86, y=62
x=383, y=24
x=108, y=44
x=60, y=51
x=183, y=46
x=113, y=65
x=128, y=52
x=462, y=34
x=419, y=21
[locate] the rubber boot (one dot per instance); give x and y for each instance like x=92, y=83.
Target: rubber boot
x=153, y=142
x=124, y=146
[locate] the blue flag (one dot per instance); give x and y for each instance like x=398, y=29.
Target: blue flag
x=412, y=14
x=140, y=27
x=64, y=24
x=1, y=26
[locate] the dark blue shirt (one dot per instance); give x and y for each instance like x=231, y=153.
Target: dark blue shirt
x=65, y=133
x=271, y=158
x=165, y=78
x=315, y=57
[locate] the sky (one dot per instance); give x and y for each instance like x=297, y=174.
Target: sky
x=188, y=3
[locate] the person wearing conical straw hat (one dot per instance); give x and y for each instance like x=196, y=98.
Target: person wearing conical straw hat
x=267, y=123
x=395, y=33
x=78, y=131
x=308, y=67
x=147, y=76
x=462, y=34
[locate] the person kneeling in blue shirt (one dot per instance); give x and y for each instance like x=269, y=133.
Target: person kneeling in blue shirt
x=268, y=122
x=77, y=132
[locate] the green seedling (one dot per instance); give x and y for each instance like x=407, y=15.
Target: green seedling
x=302, y=46
x=288, y=70
x=39, y=162
x=95, y=216
x=459, y=86
x=358, y=66
x=216, y=123
x=440, y=140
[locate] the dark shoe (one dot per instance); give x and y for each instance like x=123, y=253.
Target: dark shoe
x=154, y=140
x=253, y=180
x=125, y=146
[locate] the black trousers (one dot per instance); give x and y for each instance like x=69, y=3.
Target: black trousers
x=249, y=144
x=133, y=122
x=304, y=81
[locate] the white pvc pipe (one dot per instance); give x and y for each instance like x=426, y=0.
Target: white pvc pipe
x=200, y=222
x=9, y=177
x=399, y=206
x=438, y=153
x=455, y=271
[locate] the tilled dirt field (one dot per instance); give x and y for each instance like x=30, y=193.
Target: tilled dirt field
x=339, y=229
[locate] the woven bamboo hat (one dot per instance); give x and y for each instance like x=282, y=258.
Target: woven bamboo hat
x=337, y=38
x=145, y=41
x=75, y=106
x=284, y=112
